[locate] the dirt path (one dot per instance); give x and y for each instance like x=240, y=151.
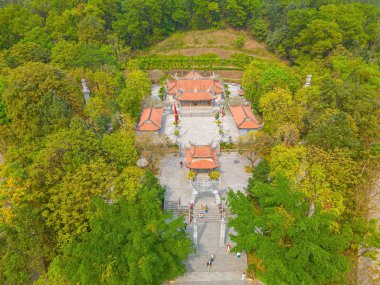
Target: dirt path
x=369, y=270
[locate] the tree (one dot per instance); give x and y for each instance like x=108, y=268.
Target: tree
x=334, y=129
x=15, y=22
x=327, y=177
x=39, y=98
x=352, y=20
x=148, y=248
x=292, y=246
x=319, y=38
x=279, y=109
x=68, y=209
x=91, y=30
x=137, y=87
x=24, y=52
x=259, y=29
x=3, y=108
x=119, y=148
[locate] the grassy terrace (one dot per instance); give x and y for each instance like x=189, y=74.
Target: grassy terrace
x=204, y=50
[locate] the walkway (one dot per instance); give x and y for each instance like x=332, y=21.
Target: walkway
x=227, y=268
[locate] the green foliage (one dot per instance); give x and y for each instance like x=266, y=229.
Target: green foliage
x=202, y=62
x=275, y=226
x=260, y=174
x=261, y=77
x=259, y=29
x=119, y=147
x=15, y=22
x=40, y=98
x=334, y=130
x=240, y=41
x=137, y=87
x=3, y=108
x=24, y=52
x=71, y=55
x=148, y=249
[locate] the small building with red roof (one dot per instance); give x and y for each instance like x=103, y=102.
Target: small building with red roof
x=244, y=118
x=194, y=90
x=201, y=157
x=150, y=120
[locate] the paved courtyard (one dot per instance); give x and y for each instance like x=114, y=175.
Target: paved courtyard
x=174, y=177
x=200, y=130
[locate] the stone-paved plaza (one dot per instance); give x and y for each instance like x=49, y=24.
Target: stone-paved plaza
x=177, y=186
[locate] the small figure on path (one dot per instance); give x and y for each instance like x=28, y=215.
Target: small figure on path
x=243, y=276
x=228, y=248
x=208, y=265
x=238, y=254
x=181, y=164
x=185, y=226
x=212, y=258
x=206, y=209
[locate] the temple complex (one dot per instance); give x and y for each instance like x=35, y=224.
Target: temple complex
x=194, y=90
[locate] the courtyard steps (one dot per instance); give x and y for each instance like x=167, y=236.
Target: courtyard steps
x=173, y=206
x=213, y=215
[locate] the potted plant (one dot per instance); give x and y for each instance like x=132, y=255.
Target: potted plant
x=221, y=132
x=191, y=175
x=214, y=175
x=218, y=122
x=176, y=133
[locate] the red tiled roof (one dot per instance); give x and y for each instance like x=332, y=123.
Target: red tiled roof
x=244, y=118
x=201, y=157
x=193, y=74
x=195, y=96
x=193, y=81
x=150, y=119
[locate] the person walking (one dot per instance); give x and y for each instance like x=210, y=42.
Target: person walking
x=208, y=265
x=238, y=254
x=212, y=258
x=181, y=164
x=243, y=276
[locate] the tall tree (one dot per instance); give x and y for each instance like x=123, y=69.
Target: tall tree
x=128, y=242
x=293, y=244
x=137, y=87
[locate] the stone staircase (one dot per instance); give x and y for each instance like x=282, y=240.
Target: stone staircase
x=173, y=206
x=226, y=269
x=213, y=215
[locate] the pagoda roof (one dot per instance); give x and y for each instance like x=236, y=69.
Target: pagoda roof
x=195, y=96
x=201, y=156
x=150, y=119
x=194, y=82
x=244, y=117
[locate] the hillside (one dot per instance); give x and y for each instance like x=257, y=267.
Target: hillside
x=220, y=42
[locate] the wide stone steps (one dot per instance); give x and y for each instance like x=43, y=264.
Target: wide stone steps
x=211, y=215
x=213, y=278
x=222, y=263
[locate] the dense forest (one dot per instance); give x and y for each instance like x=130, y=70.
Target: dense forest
x=64, y=160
